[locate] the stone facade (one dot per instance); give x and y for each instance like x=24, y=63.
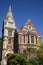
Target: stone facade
x=8, y=35
x=15, y=41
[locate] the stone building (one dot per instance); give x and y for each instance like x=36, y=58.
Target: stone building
x=16, y=41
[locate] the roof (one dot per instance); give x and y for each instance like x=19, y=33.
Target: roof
x=26, y=30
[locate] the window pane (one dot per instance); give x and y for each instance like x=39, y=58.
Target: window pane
x=28, y=39
x=9, y=41
x=32, y=39
x=9, y=33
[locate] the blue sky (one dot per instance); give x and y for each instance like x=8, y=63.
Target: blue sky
x=22, y=11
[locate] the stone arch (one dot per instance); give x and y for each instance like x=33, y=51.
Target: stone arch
x=8, y=51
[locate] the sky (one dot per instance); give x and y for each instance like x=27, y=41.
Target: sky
x=22, y=11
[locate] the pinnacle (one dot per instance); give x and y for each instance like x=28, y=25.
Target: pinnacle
x=9, y=8
x=9, y=12
x=28, y=19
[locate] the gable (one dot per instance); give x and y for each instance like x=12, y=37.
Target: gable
x=28, y=28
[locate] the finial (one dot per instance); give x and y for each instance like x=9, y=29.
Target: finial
x=9, y=8
x=28, y=19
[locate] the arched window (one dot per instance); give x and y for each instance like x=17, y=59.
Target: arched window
x=32, y=39
x=28, y=39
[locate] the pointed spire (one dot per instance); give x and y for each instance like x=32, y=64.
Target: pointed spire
x=29, y=20
x=9, y=17
x=9, y=12
x=9, y=8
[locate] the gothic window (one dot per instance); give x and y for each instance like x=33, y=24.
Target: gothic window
x=28, y=39
x=9, y=33
x=9, y=41
x=32, y=39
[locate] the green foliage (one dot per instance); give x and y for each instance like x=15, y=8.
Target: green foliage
x=40, y=53
x=35, y=61
x=31, y=50
x=21, y=59
x=17, y=59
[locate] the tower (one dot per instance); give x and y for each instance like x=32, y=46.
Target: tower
x=8, y=35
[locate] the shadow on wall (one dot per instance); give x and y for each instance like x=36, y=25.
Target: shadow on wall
x=1, y=45
x=16, y=41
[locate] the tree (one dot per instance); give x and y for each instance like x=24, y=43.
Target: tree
x=40, y=53
x=21, y=59
x=31, y=52
x=17, y=59
x=34, y=61
x=33, y=58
